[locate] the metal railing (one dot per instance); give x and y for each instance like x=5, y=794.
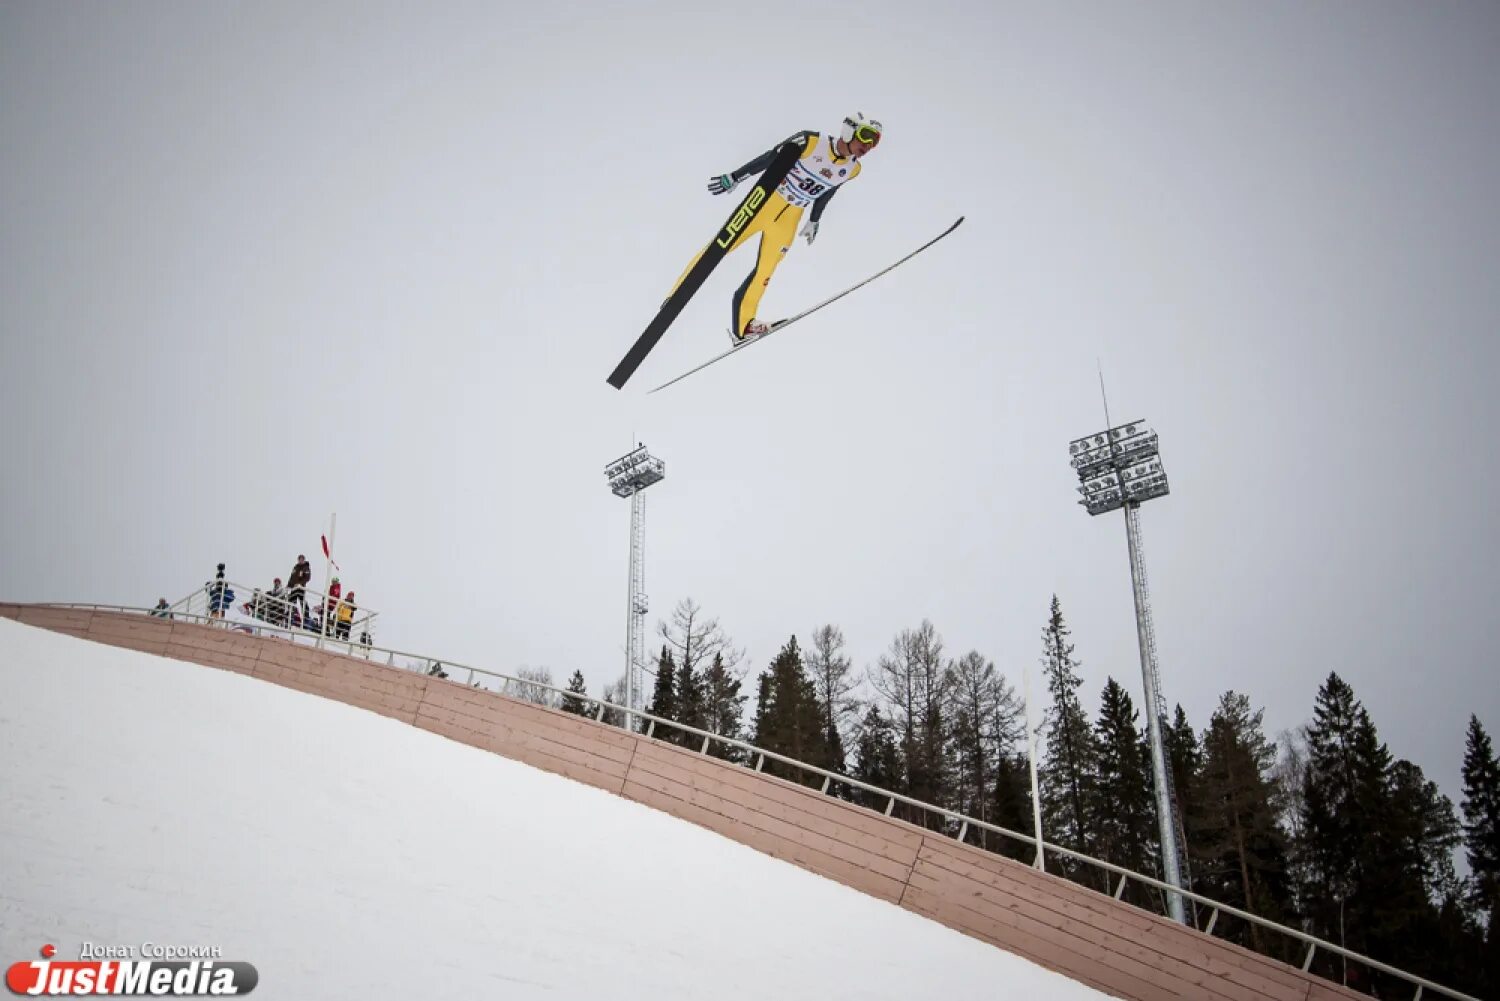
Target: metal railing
x=650, y=723
x=312, y=611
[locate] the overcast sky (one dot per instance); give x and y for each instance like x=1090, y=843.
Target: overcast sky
x=264, y=262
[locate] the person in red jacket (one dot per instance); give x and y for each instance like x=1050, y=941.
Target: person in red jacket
x=334, y=590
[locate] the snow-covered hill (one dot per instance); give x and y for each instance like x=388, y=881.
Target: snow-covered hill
x=347, y=855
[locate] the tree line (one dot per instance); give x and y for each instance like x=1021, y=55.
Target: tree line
x=1323, y=830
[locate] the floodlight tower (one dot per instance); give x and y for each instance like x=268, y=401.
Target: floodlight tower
x=1121, y=468
x=628, y=476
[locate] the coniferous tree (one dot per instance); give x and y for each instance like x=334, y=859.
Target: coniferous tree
x=877, y=758
x=1440, y=939
x=1481, y=808
x=576, y=701
x=691, y=708
x=830, y=671
x=789, y=718
x=1011, y=799
x=1122, y=814
x=983, y=726
x=723, y=708
x=1184, y=757
x=1366, y=888
x=1068, y=785
x=1240, y=850
x=664, y=693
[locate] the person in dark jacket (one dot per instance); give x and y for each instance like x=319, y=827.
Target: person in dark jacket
x=220, y=595
x=296, y=584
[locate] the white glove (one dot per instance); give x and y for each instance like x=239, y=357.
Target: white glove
x=810, y=231
x=723, y=184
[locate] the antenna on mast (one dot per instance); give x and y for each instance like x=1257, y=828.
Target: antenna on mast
x=1102, y=394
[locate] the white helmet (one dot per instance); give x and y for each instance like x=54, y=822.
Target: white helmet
x=857, y=126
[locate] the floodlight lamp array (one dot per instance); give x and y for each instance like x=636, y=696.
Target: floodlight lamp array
x=634, y=472
x=1118, y=467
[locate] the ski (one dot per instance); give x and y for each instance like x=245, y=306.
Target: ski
x=781, y=324
x=785, y=158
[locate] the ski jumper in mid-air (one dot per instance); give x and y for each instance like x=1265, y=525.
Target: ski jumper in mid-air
x=826, y=162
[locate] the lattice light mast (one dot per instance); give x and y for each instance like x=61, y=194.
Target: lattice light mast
x=1121, y=468
x=628, y=476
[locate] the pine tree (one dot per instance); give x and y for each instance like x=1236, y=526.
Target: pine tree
x=789, y=719
x=723, y=708
x=877, y=758
x=1121, y=814
x=1239, y=849
x=1184, y=758
x=1481, y=827
x=1068, y=786
x=1440, y=940
x=1366, y=885
x=1481, y=809
x=691, y=710
x=830, y=671
x=664, y=693
x=1011, y=799
x=575, y=701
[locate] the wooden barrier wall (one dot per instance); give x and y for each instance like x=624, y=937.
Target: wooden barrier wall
x=1085, y=935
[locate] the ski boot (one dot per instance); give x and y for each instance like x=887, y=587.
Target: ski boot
x=753, y=329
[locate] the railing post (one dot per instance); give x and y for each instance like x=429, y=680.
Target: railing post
x=650, y=729
x=826, y=779
x=704, y=748
x=599, y=716
x=1120, y=890
x=1212, y=920
x=760, y=759
x=963, y=829
x=890, y=806
x=1312, y=947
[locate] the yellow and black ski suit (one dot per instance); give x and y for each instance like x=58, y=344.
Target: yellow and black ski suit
x=812, y=181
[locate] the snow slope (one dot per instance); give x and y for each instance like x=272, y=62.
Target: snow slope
x=347, y=855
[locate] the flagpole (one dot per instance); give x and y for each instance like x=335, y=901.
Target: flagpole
x=1040, y=861
x=333, y=520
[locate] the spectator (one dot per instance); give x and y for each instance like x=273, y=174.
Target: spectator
x=297, y=583
x=220, y=595
x=331, y=604
x=345, y=616
x=276, y=604
x=161, y=611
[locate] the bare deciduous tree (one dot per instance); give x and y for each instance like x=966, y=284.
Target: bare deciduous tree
x=528, y=684
x=695, y=639
x=831, y=673
x=910, y=677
